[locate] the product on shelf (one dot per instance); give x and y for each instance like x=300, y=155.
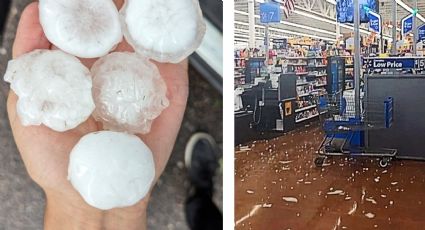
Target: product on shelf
x=306, y=88
x=306, y=115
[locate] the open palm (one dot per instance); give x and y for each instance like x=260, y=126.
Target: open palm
x=46, y=152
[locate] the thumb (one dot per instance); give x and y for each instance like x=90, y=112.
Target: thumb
x=29, y=35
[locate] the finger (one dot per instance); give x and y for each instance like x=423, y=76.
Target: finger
x=165, y=128
x=29, y=35
x=119, y=3
x=176, y=79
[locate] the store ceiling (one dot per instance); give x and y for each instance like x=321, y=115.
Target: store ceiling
x=314, y=18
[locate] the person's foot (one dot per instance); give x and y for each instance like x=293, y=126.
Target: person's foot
x=201, y=161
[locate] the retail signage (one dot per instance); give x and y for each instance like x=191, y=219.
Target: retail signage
x=280, y=43
x=421, y=33
x=406, y=25
x=345, y=10
x=394, y=63
x=269, y=13
x=375, y=22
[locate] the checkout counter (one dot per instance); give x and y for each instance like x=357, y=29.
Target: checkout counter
x=266, y=111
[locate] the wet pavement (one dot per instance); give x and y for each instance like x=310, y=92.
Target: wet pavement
x=277, y=186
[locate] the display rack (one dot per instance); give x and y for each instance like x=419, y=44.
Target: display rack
x=240, y=58
x=239, y=71
x=311, y=82
x=349, y=72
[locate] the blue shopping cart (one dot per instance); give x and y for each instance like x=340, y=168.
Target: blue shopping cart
x=345, y=132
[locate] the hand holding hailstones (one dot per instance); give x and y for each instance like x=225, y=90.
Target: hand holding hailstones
x=126, y=94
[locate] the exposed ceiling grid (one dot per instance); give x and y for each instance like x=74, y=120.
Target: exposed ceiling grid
x=313, y=17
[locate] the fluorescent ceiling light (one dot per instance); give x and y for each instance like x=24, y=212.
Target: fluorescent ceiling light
x=319, y=18
x=297, y=11
x=294, y=25
x=289, y=32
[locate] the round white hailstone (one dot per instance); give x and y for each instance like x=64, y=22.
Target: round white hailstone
x=111, y=169
x=129, y=92
x=86, y=29
x=163, y=30
x=54, y=89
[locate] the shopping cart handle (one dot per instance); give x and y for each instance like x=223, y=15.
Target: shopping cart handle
x=389, y=112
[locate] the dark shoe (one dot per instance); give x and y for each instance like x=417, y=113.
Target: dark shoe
x=201, y=161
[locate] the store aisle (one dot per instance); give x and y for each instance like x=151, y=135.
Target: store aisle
x=277, y=186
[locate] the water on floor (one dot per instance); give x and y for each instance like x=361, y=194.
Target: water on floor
x=277, y=186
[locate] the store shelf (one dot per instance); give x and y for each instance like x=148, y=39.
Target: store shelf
x=302, y=58
x=302, y=73
x=306, y=118
x=295, y=58
x=296, y=64
x=305, y=94
x=303, y=83
x=315, y=57
x=320, y=85
x=239, y=67
x=316, y=66
x=296, y=44
x=305, y=108
x=318, y=75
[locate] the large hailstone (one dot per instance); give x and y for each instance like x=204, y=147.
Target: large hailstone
x=163, y=30
x=86, y=29
x=54, y=89
x=129, y=92
x=111, y=169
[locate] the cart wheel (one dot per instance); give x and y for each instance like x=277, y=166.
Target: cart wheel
x=383, y=163
x=318, y=161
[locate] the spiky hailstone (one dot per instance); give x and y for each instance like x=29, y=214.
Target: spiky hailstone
x=86, y=29
x=54, y=89
x=111, y=169
x=129, y=92
x=163, y=30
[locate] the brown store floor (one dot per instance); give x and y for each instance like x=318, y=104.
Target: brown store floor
x=277, y=186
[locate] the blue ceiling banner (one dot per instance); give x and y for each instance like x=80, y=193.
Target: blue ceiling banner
x=421, y=33
x=269, y=13
x=375, y=22
x=345, y=10
x=406, y=25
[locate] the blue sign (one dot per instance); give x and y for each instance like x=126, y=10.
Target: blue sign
x=375, y=22
x=421, y=33
x=406, y=25
x=394, y=63
x=345, y=10
x=269, y=13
